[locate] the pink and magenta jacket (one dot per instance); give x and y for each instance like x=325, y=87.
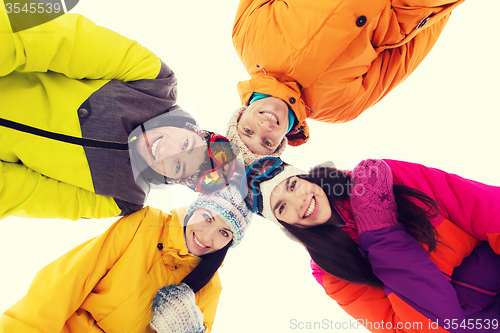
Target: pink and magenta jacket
x=457, y=289
x=473, y=206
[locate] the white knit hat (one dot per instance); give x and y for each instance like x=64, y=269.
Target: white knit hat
x=239, y=146
x=266, y=187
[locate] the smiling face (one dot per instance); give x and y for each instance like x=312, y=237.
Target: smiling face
x=206, y=233
x=171, y=151
x=263, y=125
x=300, y=203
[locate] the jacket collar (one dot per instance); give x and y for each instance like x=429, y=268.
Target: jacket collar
x=175, y=252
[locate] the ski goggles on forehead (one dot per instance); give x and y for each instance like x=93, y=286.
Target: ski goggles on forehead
x=259, y=172
x=221, y=163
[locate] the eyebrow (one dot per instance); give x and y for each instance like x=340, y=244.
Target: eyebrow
x=287, y=182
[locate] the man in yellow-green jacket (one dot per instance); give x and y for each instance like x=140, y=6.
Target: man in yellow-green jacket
x=71, y=94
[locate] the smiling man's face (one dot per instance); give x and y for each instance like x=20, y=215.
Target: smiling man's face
x=174, y=152
x=263, y=125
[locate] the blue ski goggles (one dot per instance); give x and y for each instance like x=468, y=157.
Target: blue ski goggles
x=257, y=173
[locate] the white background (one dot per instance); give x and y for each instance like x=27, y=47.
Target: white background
x=446, y=115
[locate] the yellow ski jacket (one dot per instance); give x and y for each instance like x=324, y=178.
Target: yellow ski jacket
x=108, y=283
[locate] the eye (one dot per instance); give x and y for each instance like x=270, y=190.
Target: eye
x=206, y=217
x=268, y=143
x=224, y=233
x=185, y=145
x=281, y=208
x=292, y=186
x=178, y=167
x=247, y=130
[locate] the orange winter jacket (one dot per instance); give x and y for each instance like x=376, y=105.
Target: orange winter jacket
x=330, y=60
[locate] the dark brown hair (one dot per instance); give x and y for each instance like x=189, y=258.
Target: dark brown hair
x=207, y=267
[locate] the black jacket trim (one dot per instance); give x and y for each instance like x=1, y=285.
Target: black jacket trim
x=62, y=137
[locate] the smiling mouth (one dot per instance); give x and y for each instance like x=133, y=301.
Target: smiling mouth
x=200, y=244
x=311, y=207
x=271, y=117
x=153, y=147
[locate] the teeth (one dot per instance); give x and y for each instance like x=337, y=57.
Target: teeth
x=153, y=147
x=198, y=242
x=270, y=116
x=310, y=210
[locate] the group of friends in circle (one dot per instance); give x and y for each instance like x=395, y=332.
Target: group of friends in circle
x=90, y=122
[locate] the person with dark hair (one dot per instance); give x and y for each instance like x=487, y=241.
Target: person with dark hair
x=109, y=283
x=325, y=60
x=384, y=250
x=74, y=97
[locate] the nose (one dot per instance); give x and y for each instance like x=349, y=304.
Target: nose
x=168, y=149
x=208, y=234
x=265, y=126
x=299, y=199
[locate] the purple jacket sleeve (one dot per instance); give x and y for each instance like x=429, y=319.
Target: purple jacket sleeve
x=406, y=270
x=473, y=206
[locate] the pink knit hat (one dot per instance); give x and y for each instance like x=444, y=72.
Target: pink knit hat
x=239, y=146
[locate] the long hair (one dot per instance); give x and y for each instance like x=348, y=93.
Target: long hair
x=333, y=249
x=207, y=267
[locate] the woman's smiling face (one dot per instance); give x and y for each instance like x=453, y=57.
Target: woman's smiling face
x=206, y=232
x=300, y=203
x=174, y=152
